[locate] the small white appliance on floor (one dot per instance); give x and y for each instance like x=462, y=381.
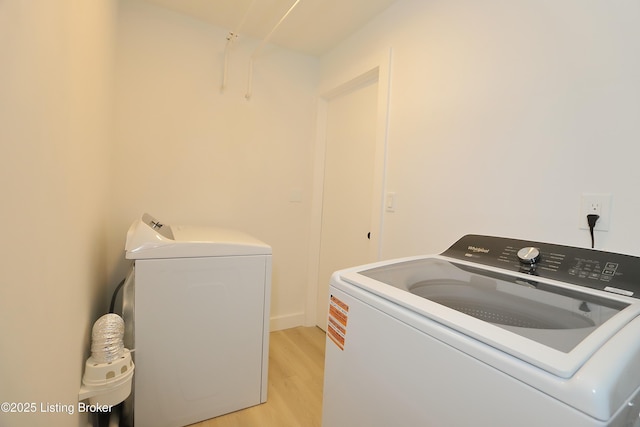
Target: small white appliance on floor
x=493, y=332
x=199, y=321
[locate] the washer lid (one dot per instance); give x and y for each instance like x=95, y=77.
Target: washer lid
x=553, y=326
x=147, y=238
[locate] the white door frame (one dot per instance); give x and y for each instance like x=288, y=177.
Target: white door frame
x=379, y=70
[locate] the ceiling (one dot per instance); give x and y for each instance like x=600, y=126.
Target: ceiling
x=312, y=27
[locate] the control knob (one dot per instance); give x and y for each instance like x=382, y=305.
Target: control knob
x=529, y=255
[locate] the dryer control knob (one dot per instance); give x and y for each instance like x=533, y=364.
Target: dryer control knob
x=529, y=255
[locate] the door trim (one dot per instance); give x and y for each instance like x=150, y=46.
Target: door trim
x=380, y=71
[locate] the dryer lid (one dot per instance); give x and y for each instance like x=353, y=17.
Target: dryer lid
x=147, y=238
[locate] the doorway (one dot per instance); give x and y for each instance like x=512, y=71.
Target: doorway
x=353, y=121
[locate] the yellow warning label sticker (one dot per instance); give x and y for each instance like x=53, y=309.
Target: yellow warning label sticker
x=337, y=324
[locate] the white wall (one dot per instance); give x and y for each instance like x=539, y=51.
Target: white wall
x=189, y=154
x=502, y=114
x=54, y=133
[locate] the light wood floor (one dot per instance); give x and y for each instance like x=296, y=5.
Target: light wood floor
x=294, y=396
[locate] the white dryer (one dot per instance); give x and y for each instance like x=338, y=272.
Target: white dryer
x=493, y=332
x=197, y=314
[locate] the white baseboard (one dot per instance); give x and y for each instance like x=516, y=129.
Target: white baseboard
x=286, y=321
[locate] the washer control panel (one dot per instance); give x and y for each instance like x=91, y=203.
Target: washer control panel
x=611, y=272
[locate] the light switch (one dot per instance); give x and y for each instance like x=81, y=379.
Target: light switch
x=295, y=196
x=390, y=203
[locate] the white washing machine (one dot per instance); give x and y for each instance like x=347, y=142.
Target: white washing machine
x=493, y=332
x=198, y=322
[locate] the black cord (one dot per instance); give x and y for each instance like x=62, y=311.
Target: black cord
x=591, y=220
x=115, y=294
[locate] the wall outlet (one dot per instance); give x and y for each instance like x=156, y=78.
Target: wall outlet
x=599, y=204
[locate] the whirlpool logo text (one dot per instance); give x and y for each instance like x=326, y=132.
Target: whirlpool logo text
x=476, y=249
